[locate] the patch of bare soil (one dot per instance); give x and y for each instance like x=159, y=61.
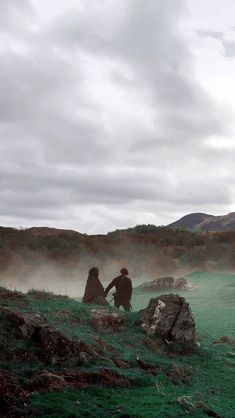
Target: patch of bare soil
x=46, y=381
x=102, y=319
x=12, y=395
x=179, y=376
x=7, y=294
x=224, y=340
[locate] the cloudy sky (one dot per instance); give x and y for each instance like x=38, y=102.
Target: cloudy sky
x=116, y=112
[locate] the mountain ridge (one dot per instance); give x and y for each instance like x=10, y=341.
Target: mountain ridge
x=206, y=222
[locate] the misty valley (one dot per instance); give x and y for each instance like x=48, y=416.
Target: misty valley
x=172, y=355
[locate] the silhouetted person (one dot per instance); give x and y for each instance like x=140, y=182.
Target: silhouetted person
x=122, y=296
x=94, y=291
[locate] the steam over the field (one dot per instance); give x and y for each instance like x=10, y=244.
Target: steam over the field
x=60, y=280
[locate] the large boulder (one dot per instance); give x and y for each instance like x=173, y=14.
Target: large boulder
x=169, y=317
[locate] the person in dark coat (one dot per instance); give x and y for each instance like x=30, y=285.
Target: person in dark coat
x=123, y=285
x=94, y=291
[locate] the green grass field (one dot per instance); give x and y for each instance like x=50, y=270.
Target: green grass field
x=211, y=367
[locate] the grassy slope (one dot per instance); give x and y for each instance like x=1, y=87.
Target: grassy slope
x=212, y=380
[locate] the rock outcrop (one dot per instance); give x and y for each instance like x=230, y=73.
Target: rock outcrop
x=168, y=283
x=169, y=317
x=54, y=346
x=162, y=283
x=103, y=319
x=181, y=284
x=46, y=380
x=12, y=395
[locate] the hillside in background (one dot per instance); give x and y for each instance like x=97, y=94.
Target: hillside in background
x=205, y=222
x=59, y=260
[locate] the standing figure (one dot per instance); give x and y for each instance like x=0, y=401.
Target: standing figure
x=122, y=296
x=94, y=291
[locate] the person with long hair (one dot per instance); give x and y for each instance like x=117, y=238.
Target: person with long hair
x=94, y=291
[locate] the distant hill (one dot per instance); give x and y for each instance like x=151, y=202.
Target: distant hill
x=49, y=232
x=192, y=221
x=60, y=259
x=205, y=222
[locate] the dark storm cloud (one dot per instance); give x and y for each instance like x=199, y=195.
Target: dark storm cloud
x=101, y=113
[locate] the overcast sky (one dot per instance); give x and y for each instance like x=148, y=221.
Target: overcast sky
x=116, y=112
